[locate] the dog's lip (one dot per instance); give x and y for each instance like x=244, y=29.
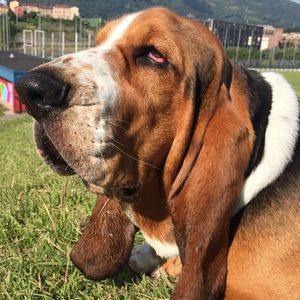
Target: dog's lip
x=49, y=152
x=125, y=192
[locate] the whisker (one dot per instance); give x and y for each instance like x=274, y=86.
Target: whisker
x=119, y=120
x=134, y=158
x=103, y=160
x=116, y=140
x=117, y=125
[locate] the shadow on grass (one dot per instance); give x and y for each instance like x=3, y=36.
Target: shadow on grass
x=124, y=277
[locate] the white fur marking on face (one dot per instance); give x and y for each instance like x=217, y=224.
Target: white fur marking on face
x=280, y=139
x=164, y=250
x=97, y=84
x=118, y=32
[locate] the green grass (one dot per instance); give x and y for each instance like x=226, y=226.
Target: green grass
x=94, y=22
x=39, y=224
x=2, y=110
x=294, y=80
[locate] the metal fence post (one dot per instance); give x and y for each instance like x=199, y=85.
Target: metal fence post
x=238, y=45
x=52, y=45
x=7, y=37
x=284, y=49
x=294, y=54
x=63, y=43
x=225, y=39
x=76, y=41
x=250, y=47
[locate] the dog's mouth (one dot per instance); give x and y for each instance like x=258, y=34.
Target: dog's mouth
x=49, y=152
x=53, y=158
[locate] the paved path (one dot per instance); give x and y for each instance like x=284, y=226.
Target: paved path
x=8, y=115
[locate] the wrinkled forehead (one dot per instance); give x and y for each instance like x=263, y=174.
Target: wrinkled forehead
x=181, y=40
x=125, y=32
x=143, y=27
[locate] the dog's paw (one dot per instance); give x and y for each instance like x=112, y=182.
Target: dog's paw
x=172, y=267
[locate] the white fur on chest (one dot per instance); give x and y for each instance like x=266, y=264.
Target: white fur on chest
x=162, y=249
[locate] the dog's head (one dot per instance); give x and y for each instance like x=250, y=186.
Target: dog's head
x=117, y=113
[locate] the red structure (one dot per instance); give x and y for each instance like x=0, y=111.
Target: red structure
x=13, y=66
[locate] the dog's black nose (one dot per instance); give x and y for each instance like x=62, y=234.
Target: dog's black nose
x=40, y=91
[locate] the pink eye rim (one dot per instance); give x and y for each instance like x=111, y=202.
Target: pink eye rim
x=148, y=56
x=156, y=57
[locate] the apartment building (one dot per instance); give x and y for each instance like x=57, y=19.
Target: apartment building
x=233, y=34
x=3, y=9
x=272, y=37
x=292, y=38
x=58, y=11
x=45, y=11
x=61, y=11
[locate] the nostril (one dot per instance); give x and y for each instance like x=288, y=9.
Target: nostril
x=41, y=90
x=35, y=97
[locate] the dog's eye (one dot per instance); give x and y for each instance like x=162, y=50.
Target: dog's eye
x=156, y=57
x=150, y=56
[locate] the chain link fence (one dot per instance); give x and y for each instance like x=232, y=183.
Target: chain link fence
x=49, y=38
x=44, y=37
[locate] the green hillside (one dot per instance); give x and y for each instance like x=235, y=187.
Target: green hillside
x=283, y=13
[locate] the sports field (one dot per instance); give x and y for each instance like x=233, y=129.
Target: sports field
x=294, y=80
x=41, y=216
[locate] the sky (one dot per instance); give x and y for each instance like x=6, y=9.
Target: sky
x=297, y=1
x=2, y=1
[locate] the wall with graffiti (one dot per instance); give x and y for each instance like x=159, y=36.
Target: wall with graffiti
x=7, y=93
x=9, y=98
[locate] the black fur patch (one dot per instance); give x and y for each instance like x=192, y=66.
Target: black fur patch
x=260, y=103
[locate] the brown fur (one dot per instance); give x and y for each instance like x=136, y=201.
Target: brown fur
x=152, y=214
x=263, y=258
x=184, y=140
x=106, y=242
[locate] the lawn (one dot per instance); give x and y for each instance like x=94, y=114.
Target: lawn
x=41, y=216
x=294, y=80
x=2, y=110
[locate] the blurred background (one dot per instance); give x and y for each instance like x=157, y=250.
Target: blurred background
x=254, y=33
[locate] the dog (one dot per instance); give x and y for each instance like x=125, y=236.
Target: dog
x=198, y=153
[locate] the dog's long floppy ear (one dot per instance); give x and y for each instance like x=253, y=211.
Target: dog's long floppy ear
x=210, y=176
x=106, y=242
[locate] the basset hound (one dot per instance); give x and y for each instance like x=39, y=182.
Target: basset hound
x=199, y=154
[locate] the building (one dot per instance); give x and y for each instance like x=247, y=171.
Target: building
x=235, y=34
x=19, y=11
x=29, y=7
x=61, y=11
x=292, y=38
x=13, y=5
x=45, y=11
x=3, y=9
x=272, y=37
x=58, y=11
